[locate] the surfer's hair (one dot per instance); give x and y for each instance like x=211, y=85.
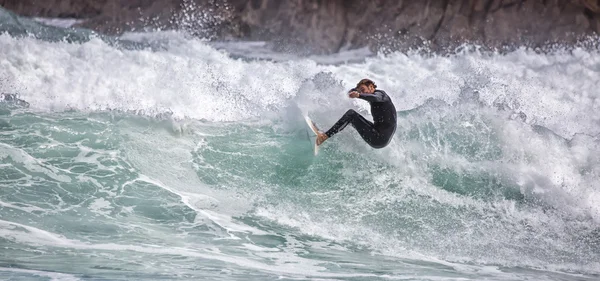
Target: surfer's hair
x=366, y=82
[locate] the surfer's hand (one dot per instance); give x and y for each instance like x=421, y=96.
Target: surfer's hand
x=353, y=94
x=321, y=137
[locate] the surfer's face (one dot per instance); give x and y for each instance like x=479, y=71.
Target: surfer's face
x=366, y=89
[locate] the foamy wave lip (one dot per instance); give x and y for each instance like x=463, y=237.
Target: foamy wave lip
x=59, y=22
x=191, y=79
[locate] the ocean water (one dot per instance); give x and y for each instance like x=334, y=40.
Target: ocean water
x=182, y=159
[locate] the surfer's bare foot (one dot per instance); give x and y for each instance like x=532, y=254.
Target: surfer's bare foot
x=321, y=137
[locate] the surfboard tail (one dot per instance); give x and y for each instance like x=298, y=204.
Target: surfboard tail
x=313, y=127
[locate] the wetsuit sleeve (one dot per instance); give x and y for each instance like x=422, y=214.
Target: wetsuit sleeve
x=377, y=96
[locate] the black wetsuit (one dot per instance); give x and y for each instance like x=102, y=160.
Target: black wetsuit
x=377, y=134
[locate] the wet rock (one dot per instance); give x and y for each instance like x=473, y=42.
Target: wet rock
x=313, y=26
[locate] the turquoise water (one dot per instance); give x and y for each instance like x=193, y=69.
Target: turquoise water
x=185, y=163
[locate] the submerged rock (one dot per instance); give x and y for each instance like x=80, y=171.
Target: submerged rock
x=13, y=99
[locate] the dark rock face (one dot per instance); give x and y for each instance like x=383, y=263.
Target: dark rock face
x=55, y=8
x=328, y=26
x=117, y=16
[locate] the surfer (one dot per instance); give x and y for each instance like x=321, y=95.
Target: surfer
x=377, y=133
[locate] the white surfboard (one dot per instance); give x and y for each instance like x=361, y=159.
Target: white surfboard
x=314, y=129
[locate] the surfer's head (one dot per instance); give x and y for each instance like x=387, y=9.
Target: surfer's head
x=366, y=86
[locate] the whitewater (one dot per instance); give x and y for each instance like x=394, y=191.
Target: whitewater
x=185, y=159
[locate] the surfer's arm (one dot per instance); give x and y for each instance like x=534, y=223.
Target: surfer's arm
x=353, y=93
x=377, y=96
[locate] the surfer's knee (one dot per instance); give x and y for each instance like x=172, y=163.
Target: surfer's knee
x=350, y=112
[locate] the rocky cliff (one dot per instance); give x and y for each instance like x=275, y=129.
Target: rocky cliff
x=328, y=26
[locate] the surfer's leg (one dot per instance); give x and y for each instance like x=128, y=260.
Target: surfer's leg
x=364, y=127
x=341, y=124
